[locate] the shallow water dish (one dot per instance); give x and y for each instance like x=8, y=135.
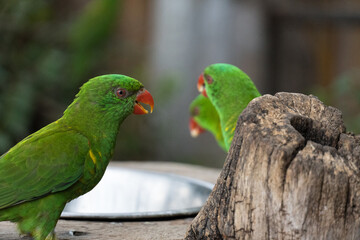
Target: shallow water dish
x=135, y=194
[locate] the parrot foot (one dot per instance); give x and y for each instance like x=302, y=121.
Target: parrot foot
x=39, y=235
x=51, y=236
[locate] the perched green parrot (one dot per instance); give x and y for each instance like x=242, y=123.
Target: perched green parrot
x=203, y=116
x=230, y=90
x=68, y=157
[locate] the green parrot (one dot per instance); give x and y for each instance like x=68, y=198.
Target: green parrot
x=203, y=116
x=68, y=157
x=230, y=90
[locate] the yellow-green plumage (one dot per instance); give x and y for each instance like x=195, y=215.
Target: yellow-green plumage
x=65, y=159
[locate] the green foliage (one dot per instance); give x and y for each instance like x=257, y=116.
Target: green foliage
x=45, y=57
x=89, y=33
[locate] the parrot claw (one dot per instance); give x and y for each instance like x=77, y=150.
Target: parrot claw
x=38, y=235
x=51, y=236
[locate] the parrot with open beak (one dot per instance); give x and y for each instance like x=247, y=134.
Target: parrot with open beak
x=68, y=157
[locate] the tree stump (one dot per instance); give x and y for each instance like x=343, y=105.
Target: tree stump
x=291, y=173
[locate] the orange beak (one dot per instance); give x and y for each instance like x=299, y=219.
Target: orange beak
x=201, y=85
x=143, y=96
x=195, y=129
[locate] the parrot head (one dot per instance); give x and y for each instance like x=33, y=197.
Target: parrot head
x=196, y=117
x=226, y=85
x=110, y=98
x=204, y=117
x=219, y=76
x=116, y=92
x=195, y=128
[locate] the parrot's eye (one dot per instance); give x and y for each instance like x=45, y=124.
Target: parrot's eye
x=195, y=111
x=121, y=93
x=209, y=79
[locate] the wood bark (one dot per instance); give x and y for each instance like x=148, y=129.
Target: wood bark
x=292, y=172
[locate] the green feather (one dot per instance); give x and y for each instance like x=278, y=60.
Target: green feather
x=229, y=90
x=205, y=114
x=65, y=159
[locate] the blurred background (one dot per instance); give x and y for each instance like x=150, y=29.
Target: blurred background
x=49, y=48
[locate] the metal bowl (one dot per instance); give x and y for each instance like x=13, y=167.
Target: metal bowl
x=135, y=194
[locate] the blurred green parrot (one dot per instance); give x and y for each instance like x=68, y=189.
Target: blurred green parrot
x=229, y=90
x=68, y=157
x=203, y=116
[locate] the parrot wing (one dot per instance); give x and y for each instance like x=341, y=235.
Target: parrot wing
x=47, y=161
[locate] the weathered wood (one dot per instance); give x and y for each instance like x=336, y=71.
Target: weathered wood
x=291, y=173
